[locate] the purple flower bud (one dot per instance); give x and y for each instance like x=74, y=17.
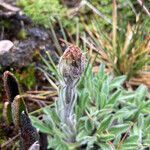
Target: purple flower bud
x=72, y=64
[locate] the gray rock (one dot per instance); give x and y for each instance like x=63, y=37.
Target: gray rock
x=5, y=46
x=5, y=52
x=23, y=52
x=38, y=33
x=20, y=53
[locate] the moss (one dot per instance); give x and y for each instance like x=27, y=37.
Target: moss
x=22, y=35
x=5, y=23
x=42, y=12
x=26, y=77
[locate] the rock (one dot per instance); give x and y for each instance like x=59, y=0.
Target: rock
x=18, y=54
x=38, y=33
x=23, y=52
x=5, y=46
x=5, y=51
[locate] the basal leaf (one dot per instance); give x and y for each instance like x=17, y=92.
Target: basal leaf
x=104, y=124
x=118, y=129
x=140, y=94
x=89, y=126
x=106, y=137
x=39, y=125
x=114, y=97
x=117, y=82
x=130, y=141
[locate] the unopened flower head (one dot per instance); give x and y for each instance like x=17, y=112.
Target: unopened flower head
x=29, y=134
x=72, y=63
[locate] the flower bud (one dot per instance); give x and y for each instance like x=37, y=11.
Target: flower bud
x=72, y=64
x=29, y=134
x=11, y=86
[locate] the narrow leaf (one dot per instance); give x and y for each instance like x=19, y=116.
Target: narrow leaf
x=104, y=124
